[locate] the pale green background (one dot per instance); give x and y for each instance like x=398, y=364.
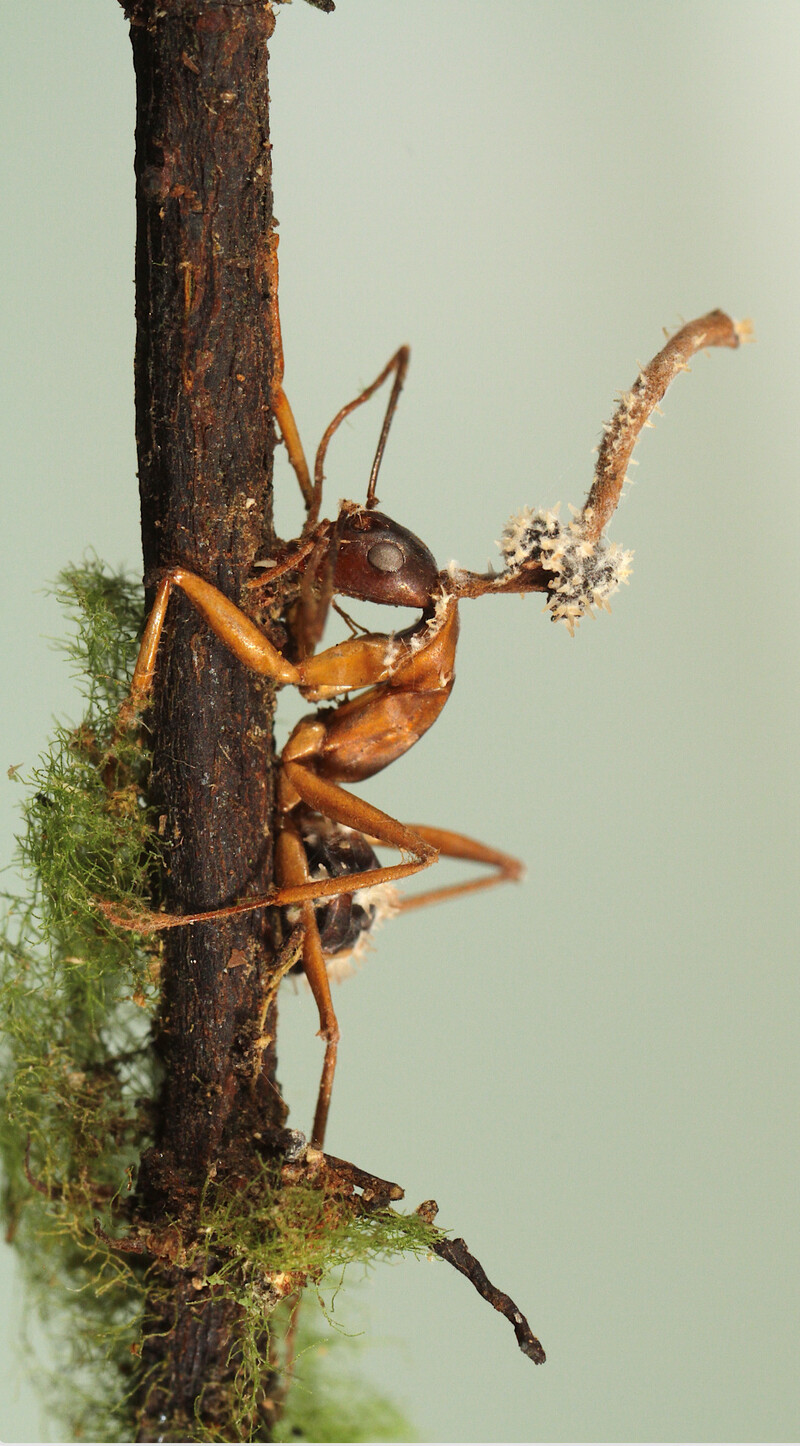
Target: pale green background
x=594, y=1073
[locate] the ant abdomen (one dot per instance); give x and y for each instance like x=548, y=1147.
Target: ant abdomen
x=345, y=921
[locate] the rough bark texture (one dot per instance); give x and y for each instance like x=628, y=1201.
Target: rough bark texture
x=205, y=442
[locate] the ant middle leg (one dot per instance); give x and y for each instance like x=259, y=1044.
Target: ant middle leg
x=233, y=627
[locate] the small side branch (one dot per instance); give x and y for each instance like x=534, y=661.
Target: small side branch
x=455, y=1252
x=376, y=1193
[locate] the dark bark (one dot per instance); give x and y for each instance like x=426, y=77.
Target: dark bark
x=205, y=444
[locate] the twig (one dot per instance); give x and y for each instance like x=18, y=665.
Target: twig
x=51, y=1192
x=376, y=1192
x=128, y=1244
x=457, y=1254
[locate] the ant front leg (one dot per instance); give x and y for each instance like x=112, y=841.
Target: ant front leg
x=233, y=627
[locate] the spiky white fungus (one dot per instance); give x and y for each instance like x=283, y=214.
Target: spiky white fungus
x=585, y=574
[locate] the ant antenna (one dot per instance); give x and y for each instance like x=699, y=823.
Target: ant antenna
x=401, y=359
x=398, y=365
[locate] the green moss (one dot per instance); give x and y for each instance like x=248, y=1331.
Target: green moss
x=303, y=1226
x=259, y=1244
x=75, y=998
x=326, y=1402
x=79, y=1081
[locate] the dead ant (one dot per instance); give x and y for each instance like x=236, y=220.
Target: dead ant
x=402, y=680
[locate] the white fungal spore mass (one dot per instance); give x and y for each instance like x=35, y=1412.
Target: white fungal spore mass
x=585, y=573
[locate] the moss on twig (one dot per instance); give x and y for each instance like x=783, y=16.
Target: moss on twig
x=79, y=1079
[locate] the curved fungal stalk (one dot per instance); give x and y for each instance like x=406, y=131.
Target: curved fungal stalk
x=636, y=406
x=572, y=561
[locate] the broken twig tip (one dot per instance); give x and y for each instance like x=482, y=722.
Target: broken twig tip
x=457, y=1254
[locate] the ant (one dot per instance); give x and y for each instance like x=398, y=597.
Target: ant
x=401, y=680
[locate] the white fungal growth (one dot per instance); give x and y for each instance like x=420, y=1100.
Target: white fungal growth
x=393, y=655
x=441, y=612
x=585, y=573
x=456, y=572
x=383, y=902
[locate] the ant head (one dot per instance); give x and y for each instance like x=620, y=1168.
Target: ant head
x=379, y=561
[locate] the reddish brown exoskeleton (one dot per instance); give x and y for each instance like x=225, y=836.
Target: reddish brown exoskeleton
x=401, y=681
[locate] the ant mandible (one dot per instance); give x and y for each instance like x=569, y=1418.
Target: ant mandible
x=402, y=680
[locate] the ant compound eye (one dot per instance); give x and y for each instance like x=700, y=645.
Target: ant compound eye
x=386, y=556
x=379, y=561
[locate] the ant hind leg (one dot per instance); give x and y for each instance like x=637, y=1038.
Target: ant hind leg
x=291, y=868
